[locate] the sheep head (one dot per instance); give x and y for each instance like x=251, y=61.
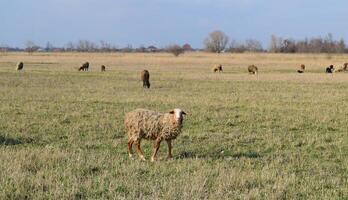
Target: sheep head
x=178, y=114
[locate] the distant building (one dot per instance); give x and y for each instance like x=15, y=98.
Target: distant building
x=151, y=49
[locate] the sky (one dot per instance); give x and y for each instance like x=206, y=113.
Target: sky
x=165, y=22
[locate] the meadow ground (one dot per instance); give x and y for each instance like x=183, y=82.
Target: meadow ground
x=279, y=135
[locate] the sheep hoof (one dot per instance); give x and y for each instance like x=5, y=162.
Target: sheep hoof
x=130, y=156
x=142, y=158
x=153, y=159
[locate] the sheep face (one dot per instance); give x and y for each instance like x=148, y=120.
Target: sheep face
x=178, y=114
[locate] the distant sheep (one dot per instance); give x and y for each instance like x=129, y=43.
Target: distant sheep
x=146, y=124
x=217, y=68
x=103, y=68
x=343, y=69
x=84, y=66
x=330, y=69
x=302, y=69
x=20, y=66
x=145, y=77
x=252, y=69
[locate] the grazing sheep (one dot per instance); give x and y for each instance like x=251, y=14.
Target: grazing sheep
x=343, y=69
x=145, y=77
x=103, y=68
x=20, y=66
x=217, y=68
x=302, y=69
x=252, y=69
x=146, y=124
x=84, y=67
x=330, y=69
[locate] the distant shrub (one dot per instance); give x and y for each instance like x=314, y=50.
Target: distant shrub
x=175, y=49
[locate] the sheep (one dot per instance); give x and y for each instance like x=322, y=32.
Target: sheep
x=217, y=68
x=302, y=69
x=330, y=69
x=20, y=66
x=145, y=77
x=103, y=68
x=81, y=68
x=342, y=69
x=252, y=69
x=84, y=66
x=146, y=124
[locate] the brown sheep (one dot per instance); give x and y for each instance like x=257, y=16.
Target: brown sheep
x=252, y=69
x=146, y=124
x=302, y=69
x=145, y=77
x=217, y=68
x=20, y=66
x=103, y=68
x=84, y=67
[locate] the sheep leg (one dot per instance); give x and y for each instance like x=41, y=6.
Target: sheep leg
x=139, y=152
x=130, y=151
x=169, y=142
x=155, y=150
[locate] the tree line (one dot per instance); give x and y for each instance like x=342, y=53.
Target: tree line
x=217, y=42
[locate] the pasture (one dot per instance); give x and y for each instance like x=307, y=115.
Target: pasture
x=278, y=135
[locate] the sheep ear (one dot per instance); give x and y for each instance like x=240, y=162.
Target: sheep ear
x=183, y=113
x=171, y=112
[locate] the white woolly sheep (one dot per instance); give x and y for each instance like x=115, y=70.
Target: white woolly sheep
x=146, y=124
x=343, y=69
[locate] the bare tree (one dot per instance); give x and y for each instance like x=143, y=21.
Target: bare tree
x=31, y=47
x=253, y=45
x=86, y=46
x=249, y=45
x=275, y=44
x=105, y=46
x=69, y=46
x=236, y=47
x=49, y=47
x=216, y=42
x=175, y=49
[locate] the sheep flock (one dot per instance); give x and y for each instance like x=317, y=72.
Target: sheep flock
x=146, y=124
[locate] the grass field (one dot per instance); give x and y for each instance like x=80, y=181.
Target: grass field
x=279, y=135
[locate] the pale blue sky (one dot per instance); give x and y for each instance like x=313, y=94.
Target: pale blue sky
x=163, y=22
